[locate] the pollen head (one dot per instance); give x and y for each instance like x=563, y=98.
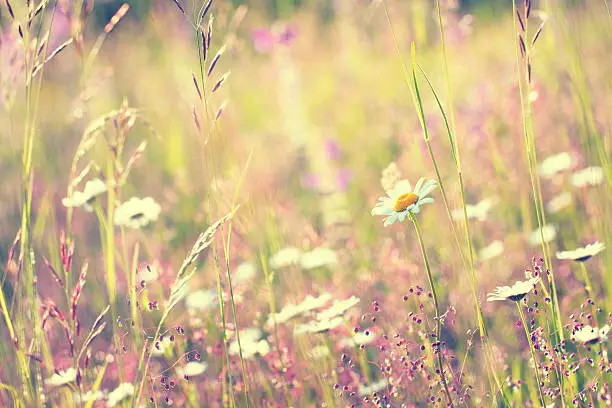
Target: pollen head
x=405, y=200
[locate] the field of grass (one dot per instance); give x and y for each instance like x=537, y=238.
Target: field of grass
x=387, y=203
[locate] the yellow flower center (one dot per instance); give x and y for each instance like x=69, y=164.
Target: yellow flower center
x=404, y=201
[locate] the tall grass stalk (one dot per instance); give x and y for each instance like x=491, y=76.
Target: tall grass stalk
x=533, y=355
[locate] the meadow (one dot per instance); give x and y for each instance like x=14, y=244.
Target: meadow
x=358, y=203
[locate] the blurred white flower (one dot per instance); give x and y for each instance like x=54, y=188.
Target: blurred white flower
x=191, y=369
x=319, y=326
x=402, y=200
x=515, y=292
x=137, y=212
x=160, y=347
x=245, y=272
x=590, y=176
x=589, y=335
x=285, y=257
x=61, y=378
x=582, y=254
x=474, y=211
x=549, y=232
x=123, y=391
x=360, y=338
x=492, y=250
x=201, y=300
x=319, y=352
x=250, y=343
x=390, y=175
x=555, y=164
x=559, y=202
x=90, y=396
x=85, y=198
x=318, y=257
x=378, y=386
x=338, y=308
x=290, y=311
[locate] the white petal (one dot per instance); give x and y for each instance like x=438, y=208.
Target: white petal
x=418, y=185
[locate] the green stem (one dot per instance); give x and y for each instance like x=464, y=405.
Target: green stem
x=533, y=356
x=437, y=309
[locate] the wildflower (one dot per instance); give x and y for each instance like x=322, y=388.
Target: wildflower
x=582, y=254
x=515, y=292
x=555, y=164
x=319, y=326
x=285, y=257
x=589, y=335
x=318, y=257
x=338, y=308
x=374, y=387
x=137, y=212
x=492, y=250
x=474, y=211
x=84, y=199
x=61, y=378
x=559, y=202
x=191, y=369
x=390, y=176
x=549, y=232
x=245, y=272
x=251, y=344
x=590, y=176
x=200, y=300
x=123, y=391
x=90, y=396
x=359, y=339
x=290, y=311
x=402, y=200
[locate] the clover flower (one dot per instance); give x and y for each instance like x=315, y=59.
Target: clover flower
x=515, y=292
x=590, y=335
x=402, y=200
x=555, y=164
x=582, y=254
x=137, y=212
x=84, y=199
x=590, y=176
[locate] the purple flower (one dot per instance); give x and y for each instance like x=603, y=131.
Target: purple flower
x=343, y=178
x=263, y=41
x=332, y=149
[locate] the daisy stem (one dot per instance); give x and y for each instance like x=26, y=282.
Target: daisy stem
x=533, y=356
x=437, y=308
x=588, y=287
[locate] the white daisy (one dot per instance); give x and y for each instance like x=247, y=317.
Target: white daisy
x=582, y=254
x=515, y=292
x=200, y=300
x=474, y=211
x=549, y=232
x=318, y=257
x=491, y=251
x=137, y=212
x=555, y=164
x=559, y=202
x=61, y=378
x=402, y=200
x=85, y=198
x=290, y=311
x=338, y=308
x=589, y=335
x=191, y=369
x=285, y=257
x=374, y=387
x=319, y=326
x=123, y=391
x=590, y=176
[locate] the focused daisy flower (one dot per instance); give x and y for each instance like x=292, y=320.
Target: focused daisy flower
x=378, y=386
x=590, y=335
x=548, y=233
x=582, y=254
x=285, y=257
x=555, y=164
x=402, y=200
x=319, y=326
x=191, y=369
x=84, y=199
x=137, y=212
x=559, y=202
x=359, y=339
x=590, y=176
x=515, y=292
x=61, y=378
x=200, y=300
x=123, y=391
x=338, y=308
x=494, y=249
x=318, y=257
x=474, y=211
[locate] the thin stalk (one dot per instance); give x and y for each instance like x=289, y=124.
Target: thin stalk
x=588, y=287
x=533, y=356
x=437, y=309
